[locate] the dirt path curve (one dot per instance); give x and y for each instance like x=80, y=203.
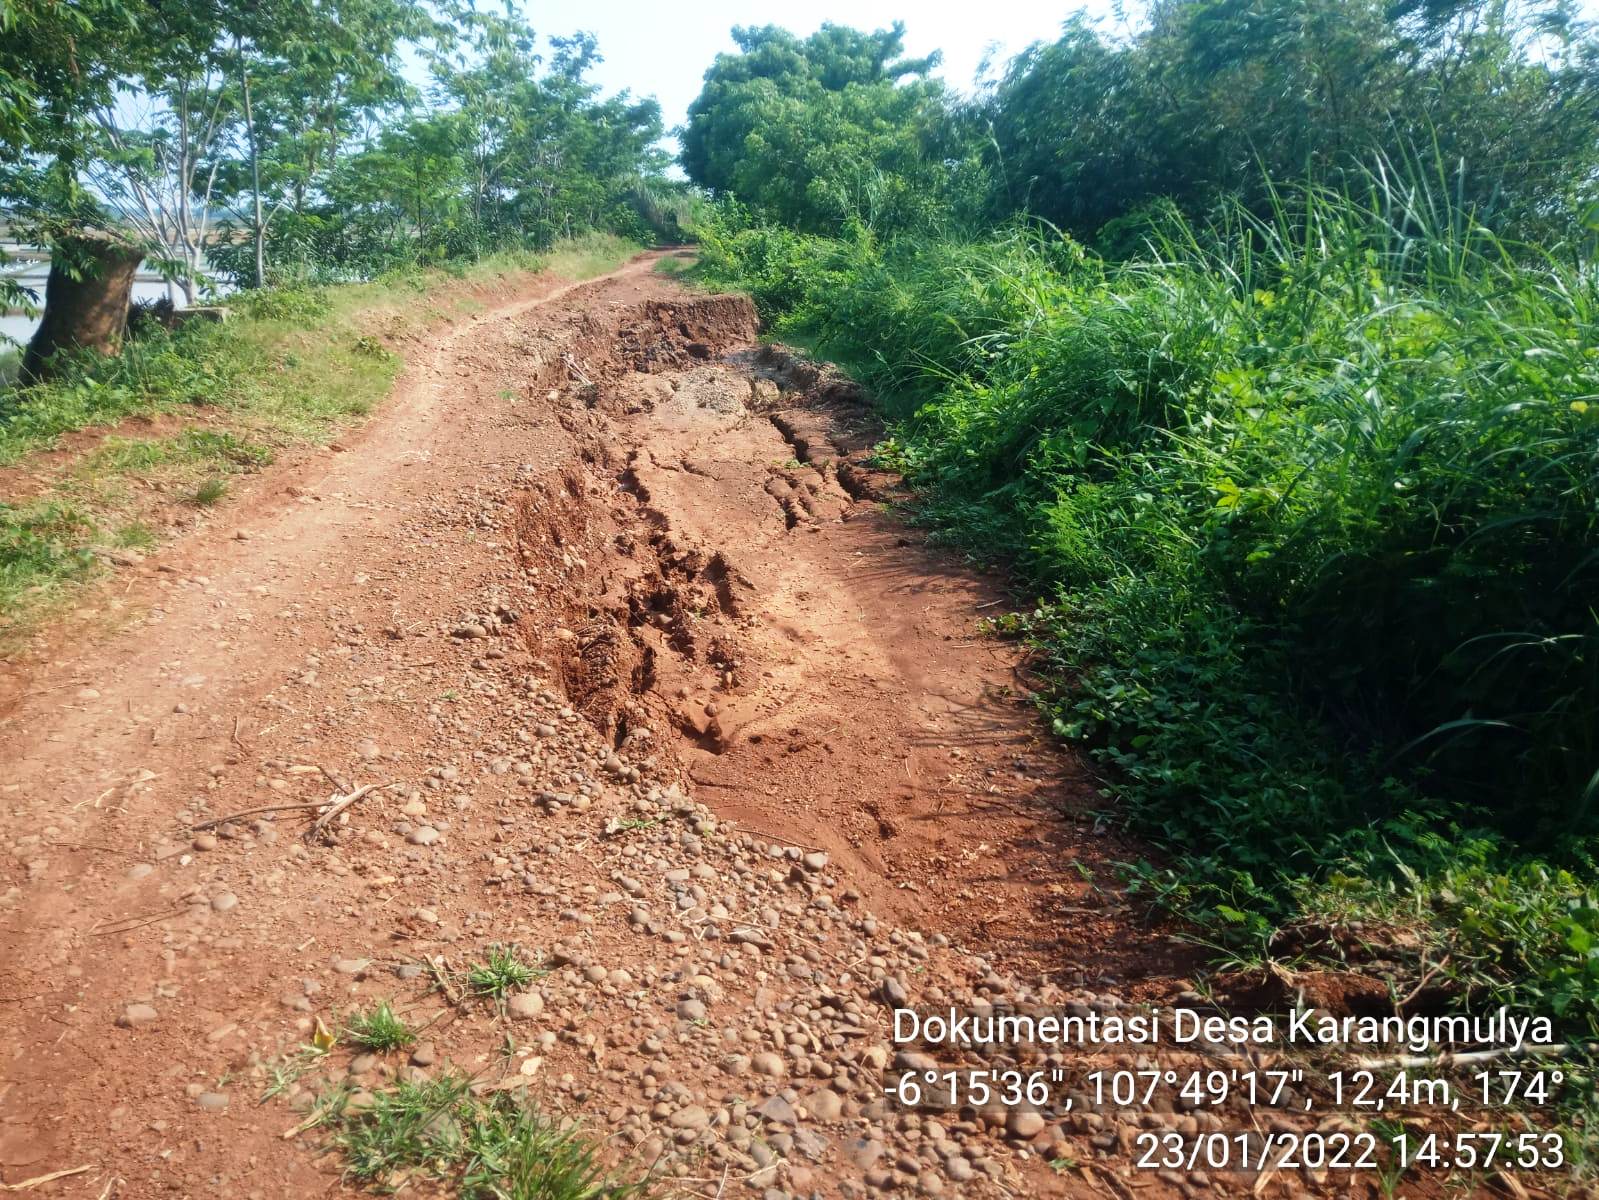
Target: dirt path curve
x=656, y=689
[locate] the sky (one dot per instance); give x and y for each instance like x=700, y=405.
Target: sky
x=662, y=49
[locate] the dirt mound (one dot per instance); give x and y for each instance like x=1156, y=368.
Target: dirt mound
x=673, y=334
x=741, y=588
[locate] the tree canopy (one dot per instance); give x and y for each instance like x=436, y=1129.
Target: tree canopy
x=1205, y=100
x=1213, y=97
x=260, y=136
x=813, y=131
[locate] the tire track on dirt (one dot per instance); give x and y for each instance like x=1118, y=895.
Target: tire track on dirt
x=658, y=691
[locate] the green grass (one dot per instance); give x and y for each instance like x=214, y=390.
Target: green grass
x=673, y=265
x=381, y=1029
x=589, y=255
x=1303, y=511
x=210, y=492
x=503, y=972
x=293, y=366
x=135, y=535
x=44, y=548
x=493, y=1147
x=283, y=1073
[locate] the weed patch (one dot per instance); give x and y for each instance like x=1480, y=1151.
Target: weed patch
x=492, y=1147
x=379, y=1030
x=503, y=972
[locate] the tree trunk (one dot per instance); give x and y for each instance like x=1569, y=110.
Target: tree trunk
x=255, y=183
x=89, y=312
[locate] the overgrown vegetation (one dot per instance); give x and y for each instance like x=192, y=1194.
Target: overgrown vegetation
x=1310, y=507
x=1304, y=477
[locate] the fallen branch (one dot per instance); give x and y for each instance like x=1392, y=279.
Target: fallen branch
x=439, y=968
x=1426, y=978
x=1470, y=1057
x=313, y=1120
x=772, y=837
x=122, y=925
x=340, y=803
x=251, y=812
x=571, y=365
x=334, y=779
x=41, y=1180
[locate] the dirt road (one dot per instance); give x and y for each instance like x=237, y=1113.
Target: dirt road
x=608, y=603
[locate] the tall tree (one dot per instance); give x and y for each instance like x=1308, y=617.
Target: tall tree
x=57, y=61
x=1213, y=97
x=812, y=132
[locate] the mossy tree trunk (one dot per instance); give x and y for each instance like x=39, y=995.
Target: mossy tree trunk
x=85, y=300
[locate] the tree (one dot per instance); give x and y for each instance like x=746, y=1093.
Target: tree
x=86, y=299
x=307, y=75
x=139, y=124
x=1214, y=97
x=188, y=112
x=56, y=62
x=814, y=132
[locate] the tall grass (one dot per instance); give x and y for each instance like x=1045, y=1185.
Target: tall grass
x=1311, y=506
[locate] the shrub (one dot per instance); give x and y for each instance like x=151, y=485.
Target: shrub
x=1310, y=506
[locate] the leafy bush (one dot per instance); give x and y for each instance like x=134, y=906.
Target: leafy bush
x=285, y=304
x=1311, y=506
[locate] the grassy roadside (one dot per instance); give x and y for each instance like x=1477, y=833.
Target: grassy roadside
x=291, y=367
x=1305, y=513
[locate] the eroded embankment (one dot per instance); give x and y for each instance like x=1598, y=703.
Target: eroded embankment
x=819, y=670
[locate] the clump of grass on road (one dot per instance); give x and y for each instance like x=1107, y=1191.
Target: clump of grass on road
x=492, y=1147
x=502, y=973
x=381, y=1029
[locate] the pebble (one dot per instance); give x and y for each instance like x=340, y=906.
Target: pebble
x=863, y=1152
x=779, y=1111
x=767, y=1063
x=825, y=1105
x=525, y=1006
x=135, y=1015
x=1024, y=1124
x=692, y=1117
x=224, y=902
